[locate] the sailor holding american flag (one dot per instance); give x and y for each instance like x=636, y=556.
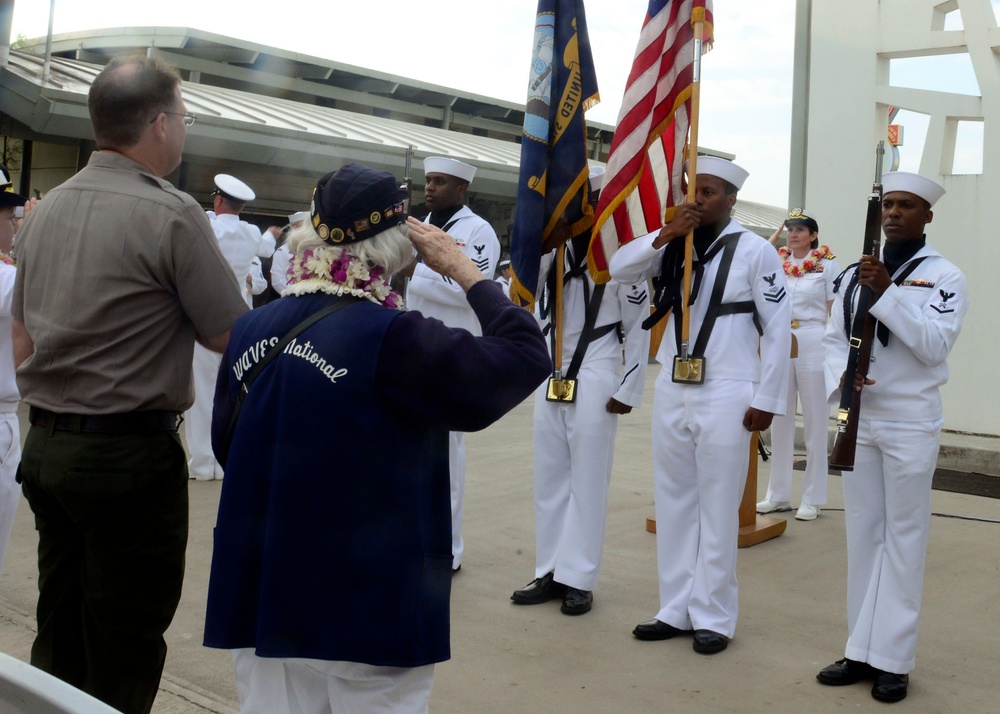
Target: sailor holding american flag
x=701, y=430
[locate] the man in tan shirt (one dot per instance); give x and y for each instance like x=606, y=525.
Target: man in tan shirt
x=119, y=273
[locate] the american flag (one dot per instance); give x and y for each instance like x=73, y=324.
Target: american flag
x=645, y=174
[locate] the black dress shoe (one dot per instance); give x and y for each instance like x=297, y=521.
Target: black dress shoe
x=845, y=671
x=890, y=687
x=576, y=601
x=539, y=590
x=656, y=630
x=708, y=642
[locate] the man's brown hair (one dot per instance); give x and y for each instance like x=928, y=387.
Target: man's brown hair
x=126, y=96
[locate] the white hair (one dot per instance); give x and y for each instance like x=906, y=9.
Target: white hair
x=391, y=249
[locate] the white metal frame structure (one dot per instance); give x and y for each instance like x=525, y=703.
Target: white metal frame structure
x=842, y=112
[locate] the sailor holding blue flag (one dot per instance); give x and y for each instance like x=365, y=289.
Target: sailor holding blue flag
x=576, y=413
x=575, y=438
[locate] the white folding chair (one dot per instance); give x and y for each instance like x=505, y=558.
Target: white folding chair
x=28, y=690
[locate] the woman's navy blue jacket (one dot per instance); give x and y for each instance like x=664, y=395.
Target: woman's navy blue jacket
x=333, y=538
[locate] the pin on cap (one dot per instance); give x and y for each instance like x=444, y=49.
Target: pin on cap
x=355, y=203
x=797, y=216
x=450, y=167
x=232, y=188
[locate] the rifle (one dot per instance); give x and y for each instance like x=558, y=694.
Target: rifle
x=862, y=334
x=407, y=184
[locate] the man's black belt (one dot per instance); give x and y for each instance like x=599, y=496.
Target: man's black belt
x=144, y=422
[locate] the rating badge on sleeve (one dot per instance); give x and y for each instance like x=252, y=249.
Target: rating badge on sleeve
x=773, y=293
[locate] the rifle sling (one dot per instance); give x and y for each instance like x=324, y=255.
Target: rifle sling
x=881, y=330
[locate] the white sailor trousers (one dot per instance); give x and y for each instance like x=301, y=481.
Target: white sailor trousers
x=277, y=685
x=700, y=456
x=10, y=457
x=887, y=502
x=198, y=419
x=456, y=466
x=574, y=452
x=805, y=380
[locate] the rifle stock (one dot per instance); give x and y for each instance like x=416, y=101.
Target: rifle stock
x=862, y=334
x=845, y=445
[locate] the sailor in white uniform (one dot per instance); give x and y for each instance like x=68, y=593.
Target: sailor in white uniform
x=240, y=242
x=10, y=431
x=282, y=257
x=810, y=271
x=256, y=284
x=920, y=301
x=504, y=277
x=445, y=190
x=575, y=441
x=701, y=432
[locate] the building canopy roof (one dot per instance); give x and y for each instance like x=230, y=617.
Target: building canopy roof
x=284, y=114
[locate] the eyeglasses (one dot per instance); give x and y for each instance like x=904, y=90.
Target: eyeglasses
x=189, y=119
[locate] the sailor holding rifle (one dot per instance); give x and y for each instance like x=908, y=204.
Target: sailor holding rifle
x=920, y=301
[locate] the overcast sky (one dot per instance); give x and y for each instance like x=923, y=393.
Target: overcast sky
x=746, y=78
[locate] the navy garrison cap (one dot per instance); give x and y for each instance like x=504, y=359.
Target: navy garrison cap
x=355, y=203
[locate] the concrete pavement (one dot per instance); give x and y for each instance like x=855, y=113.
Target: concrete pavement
x=508, y=658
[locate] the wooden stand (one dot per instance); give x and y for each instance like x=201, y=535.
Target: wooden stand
x=755, y=529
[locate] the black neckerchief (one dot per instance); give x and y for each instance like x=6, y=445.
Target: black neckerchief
x=440, y=218
x=703, y=240
x=673, y=263
x=895, y=254
x=577, y=256
x=668, y=284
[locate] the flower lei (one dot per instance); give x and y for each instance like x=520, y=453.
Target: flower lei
x=4, y=258
x=336, y=272
x=810, y=265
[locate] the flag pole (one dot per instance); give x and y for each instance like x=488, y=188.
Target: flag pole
x=559, y=389
x=558, y=308
x=692, y=190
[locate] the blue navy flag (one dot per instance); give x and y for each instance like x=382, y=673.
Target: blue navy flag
x=553, y=182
